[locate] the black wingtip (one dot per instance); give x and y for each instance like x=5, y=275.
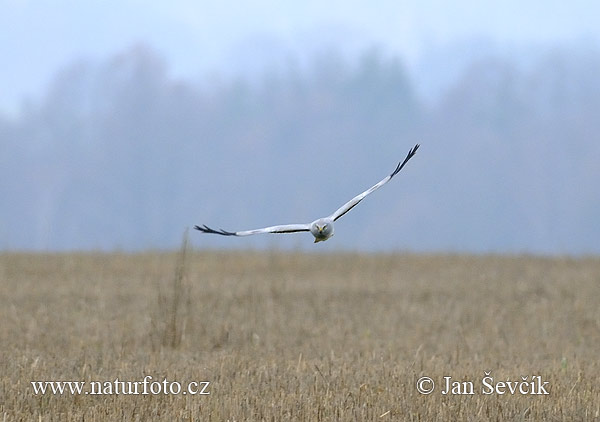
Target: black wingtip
x=206, y=229
x=412, y=152
x=410, y=155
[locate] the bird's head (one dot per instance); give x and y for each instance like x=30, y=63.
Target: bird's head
x=322, y=229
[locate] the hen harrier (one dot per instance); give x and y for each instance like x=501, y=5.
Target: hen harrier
x=321, y=229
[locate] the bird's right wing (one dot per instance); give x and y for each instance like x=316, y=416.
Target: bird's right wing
x=287, y=228
x=354, y=201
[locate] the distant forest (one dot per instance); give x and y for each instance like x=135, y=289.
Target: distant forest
x=121, y=155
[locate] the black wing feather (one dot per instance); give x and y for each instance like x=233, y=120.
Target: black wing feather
x=206, y=229
x=410, y=155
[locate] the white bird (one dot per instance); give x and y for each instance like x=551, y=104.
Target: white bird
x=322, y=229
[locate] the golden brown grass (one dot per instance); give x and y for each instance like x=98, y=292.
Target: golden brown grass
x=285, y=336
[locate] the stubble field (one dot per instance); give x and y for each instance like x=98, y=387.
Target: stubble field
x=289, y=336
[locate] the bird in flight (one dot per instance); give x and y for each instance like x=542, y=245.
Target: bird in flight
x=321, y=229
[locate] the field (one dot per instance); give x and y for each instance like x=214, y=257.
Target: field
x=288, y=336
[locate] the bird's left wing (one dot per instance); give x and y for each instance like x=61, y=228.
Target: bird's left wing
x=288, y=228
x=354, y=201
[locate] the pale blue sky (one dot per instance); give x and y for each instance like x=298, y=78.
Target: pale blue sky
x=37, y=37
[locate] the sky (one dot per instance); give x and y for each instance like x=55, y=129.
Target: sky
x=438, y=42
x=200, y=38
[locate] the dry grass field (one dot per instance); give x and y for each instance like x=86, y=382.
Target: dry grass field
x=309, y=337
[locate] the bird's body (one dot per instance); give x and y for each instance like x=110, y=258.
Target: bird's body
x=323, y=228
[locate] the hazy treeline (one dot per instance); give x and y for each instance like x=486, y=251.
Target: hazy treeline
x=122, y=155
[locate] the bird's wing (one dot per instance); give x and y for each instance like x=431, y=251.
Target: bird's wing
x=288, y=228
x=355, y=201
